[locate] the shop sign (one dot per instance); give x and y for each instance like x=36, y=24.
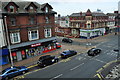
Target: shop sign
x=34, y=45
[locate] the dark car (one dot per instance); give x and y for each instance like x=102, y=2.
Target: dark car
x=68, y=53
x=13, y=71
x=68, y=40
x=47, y=60
x=116, y=50
x=93, y=51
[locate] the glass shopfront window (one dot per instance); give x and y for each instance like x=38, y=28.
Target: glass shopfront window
x=34, y=51
x=14, y=56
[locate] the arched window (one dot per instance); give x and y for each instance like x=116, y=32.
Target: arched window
x=11, y=8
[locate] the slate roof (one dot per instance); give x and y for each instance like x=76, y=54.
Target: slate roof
x=83, y=14
x=111, y=14
x=22, y=5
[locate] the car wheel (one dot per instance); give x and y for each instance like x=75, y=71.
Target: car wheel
x=6, y=78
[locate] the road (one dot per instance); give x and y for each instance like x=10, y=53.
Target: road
x=80, y=65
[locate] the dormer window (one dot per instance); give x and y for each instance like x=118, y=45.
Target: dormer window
x=31, y=8
x=11, y=8
x=46, y=9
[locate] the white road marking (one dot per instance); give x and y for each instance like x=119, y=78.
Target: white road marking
x=56, y=77
x=100, y=43
x=76, y=66
x=100, y=61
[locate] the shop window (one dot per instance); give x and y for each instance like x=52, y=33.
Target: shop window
x=15, y=37
x=33, y=34
x=14, y=56
x=23, y=54
x=47, y=32
x=32, y=52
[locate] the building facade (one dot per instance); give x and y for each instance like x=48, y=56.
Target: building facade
x=88, y=24
x=111, y=21
x=31, y=28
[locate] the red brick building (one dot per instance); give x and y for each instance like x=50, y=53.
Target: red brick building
x=88, y=24
x=31, y=28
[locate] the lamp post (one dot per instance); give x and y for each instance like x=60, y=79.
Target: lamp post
x=7, y=36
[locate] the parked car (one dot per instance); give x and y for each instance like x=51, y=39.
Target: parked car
x=47, y=60
x=58, y=45
x=13, y=72
x=116, y=50
x=93, y=51
x=68, y=53
x=68, y=40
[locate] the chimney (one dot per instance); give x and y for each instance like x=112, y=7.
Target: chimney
x=81, y=13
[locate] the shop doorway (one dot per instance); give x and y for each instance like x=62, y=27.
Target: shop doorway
x=19, y=57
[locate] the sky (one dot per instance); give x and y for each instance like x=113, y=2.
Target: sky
x=67, y=7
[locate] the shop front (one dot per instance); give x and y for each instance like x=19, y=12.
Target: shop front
x=32, y=50
x=89, y=33
x=18, y=54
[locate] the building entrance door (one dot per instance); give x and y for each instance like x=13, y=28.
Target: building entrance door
x=19, y=57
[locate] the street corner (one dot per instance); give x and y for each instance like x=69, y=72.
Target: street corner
x=105, y=71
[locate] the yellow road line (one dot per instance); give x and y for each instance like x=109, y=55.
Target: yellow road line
x=99, y=76
x=32, y=66
x=99, y=70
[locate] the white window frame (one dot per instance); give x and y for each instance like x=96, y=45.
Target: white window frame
x=46, y=32
x=30, y=35
x=12, y=36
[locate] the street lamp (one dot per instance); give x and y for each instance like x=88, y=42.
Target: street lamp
x=7, y=36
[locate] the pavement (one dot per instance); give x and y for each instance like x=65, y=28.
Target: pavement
x=110, y=71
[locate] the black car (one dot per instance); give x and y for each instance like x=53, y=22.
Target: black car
x=93, y=51
x=47, y=60
x=68, y=53
x=68, y=40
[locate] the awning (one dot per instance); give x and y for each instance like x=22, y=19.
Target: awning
x=31, y=42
